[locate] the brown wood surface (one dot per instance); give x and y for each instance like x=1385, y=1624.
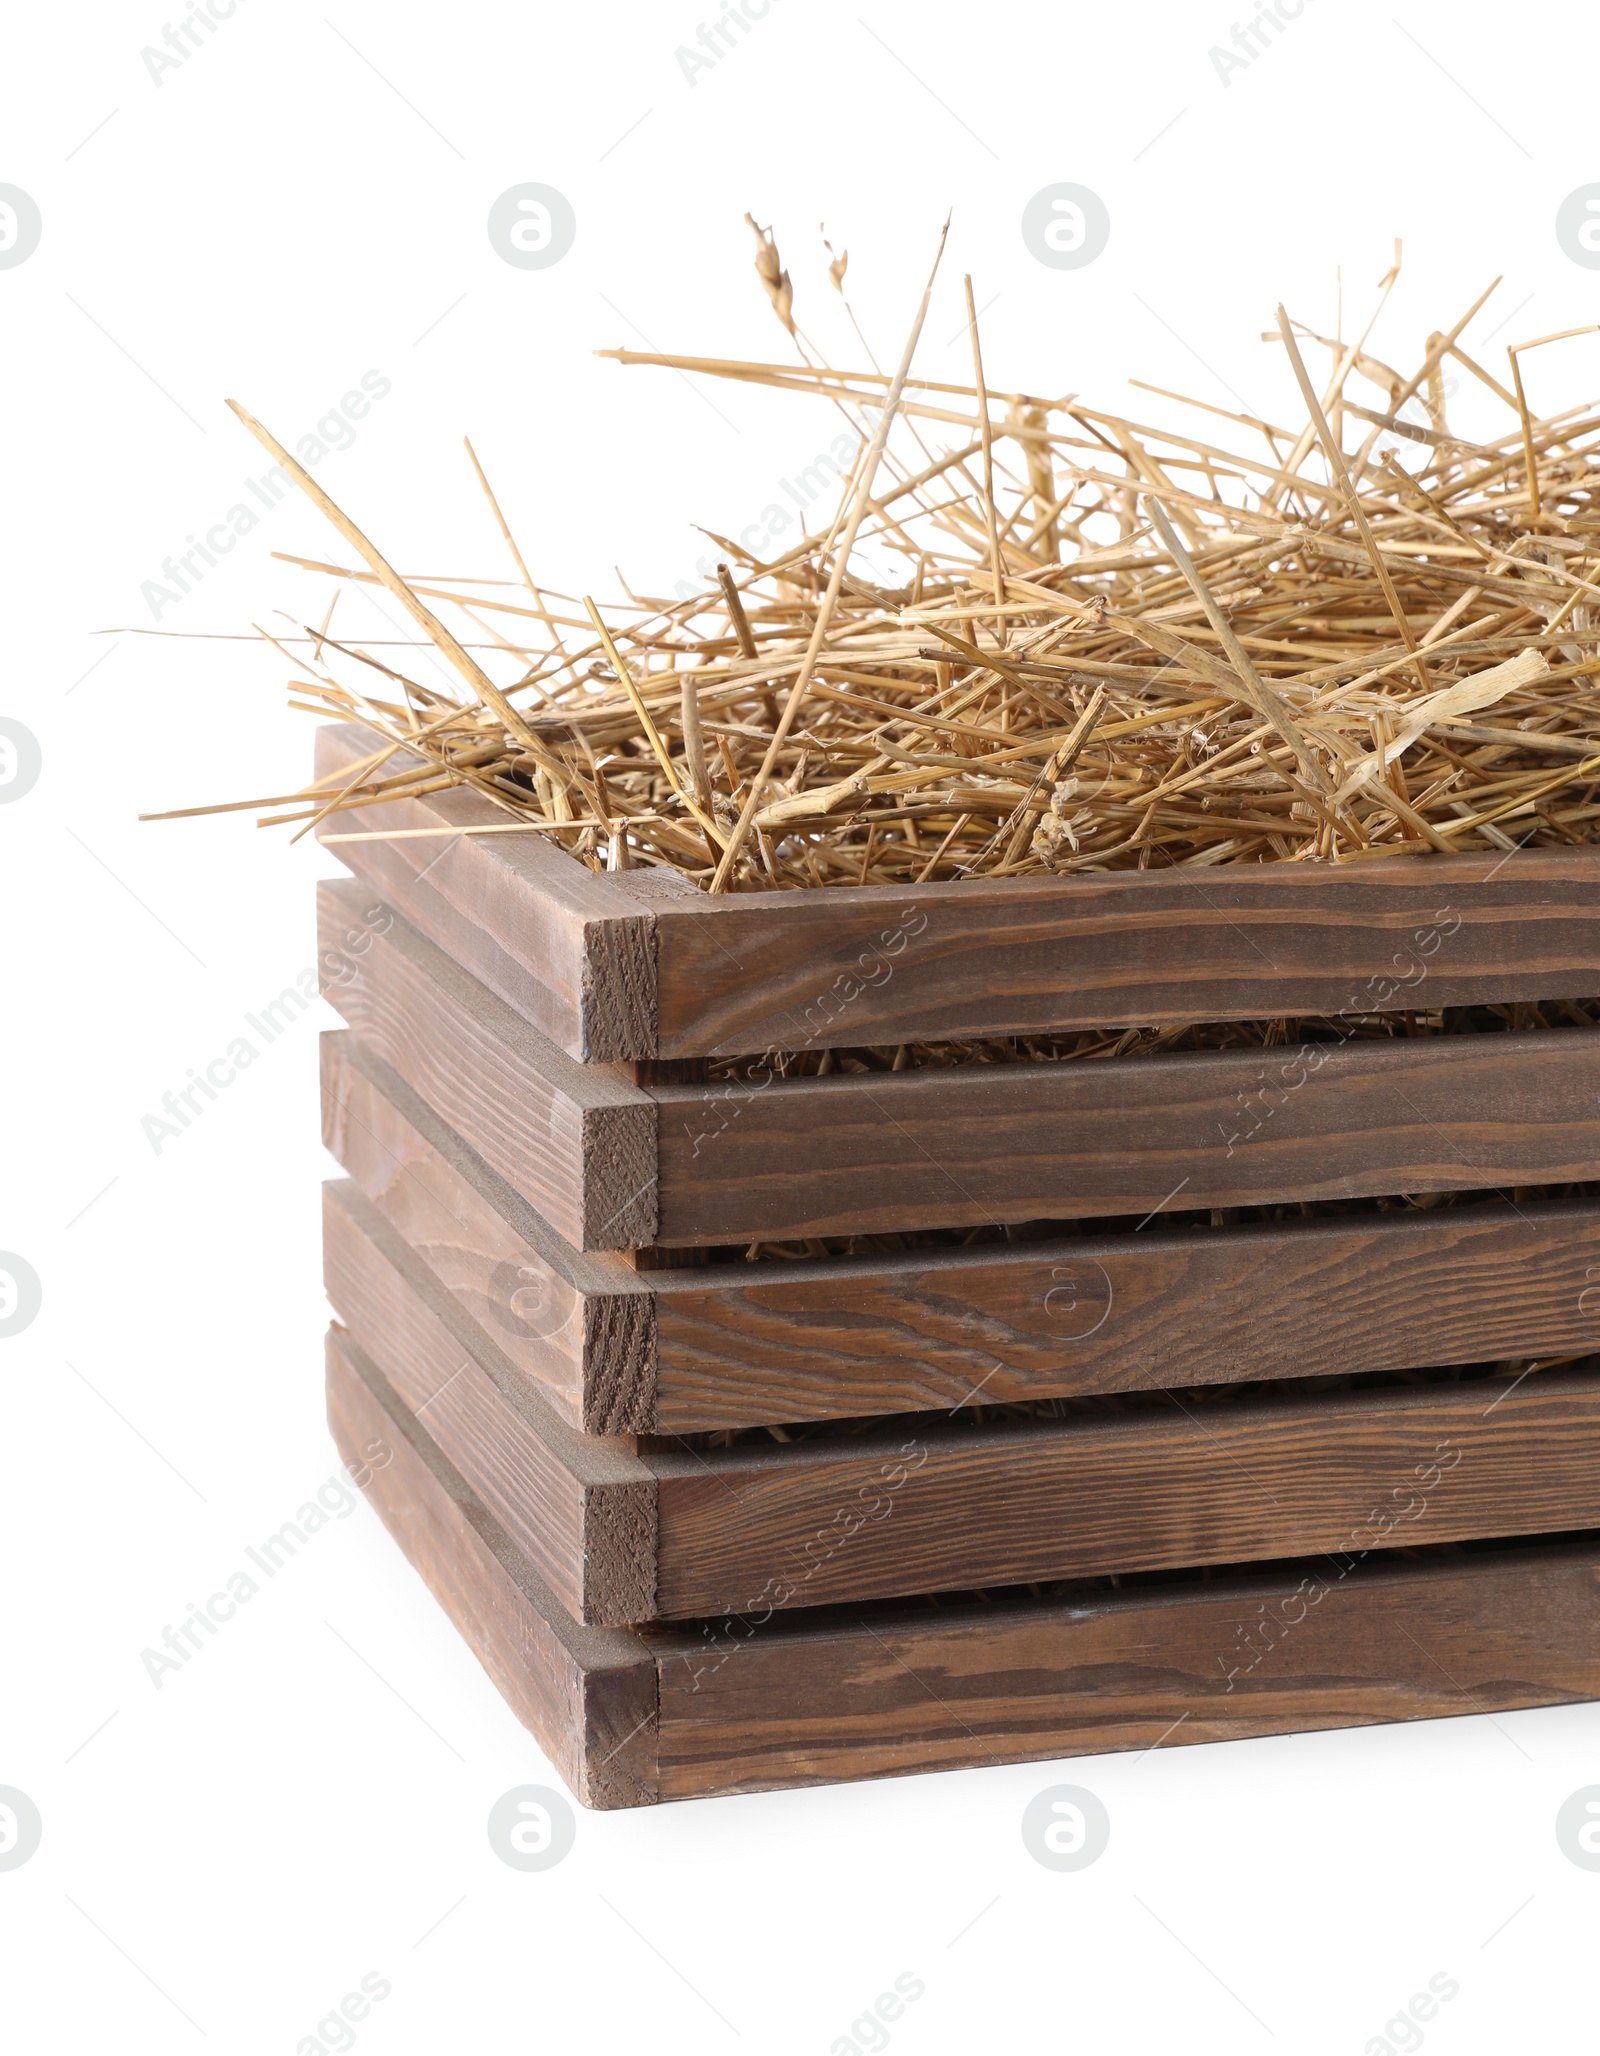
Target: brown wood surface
x=914, y=1509
x=576, y=1141
x=641, y=964
x=631, y=1716
x=924, y=1505
x=974, y=957
x=582, y=1508
x=581, y=1325
x=792, y=1342
x=947, y=1147
x=588, y=1694
x=737, y=1345
x=611, y=1164
x=865, y=1696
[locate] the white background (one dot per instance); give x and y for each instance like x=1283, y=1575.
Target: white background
x=305, y=1802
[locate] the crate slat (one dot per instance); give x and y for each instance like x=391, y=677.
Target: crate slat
x=946, y=1147
x=923, y=1505
x=641, y=965
x=614, y=1165
x=732, y=1346
x=1019, y=1501
x=632, y=1717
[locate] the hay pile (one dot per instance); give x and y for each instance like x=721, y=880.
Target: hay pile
x=1107, y=644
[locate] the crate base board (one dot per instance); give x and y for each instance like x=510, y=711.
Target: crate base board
x=633, y=1716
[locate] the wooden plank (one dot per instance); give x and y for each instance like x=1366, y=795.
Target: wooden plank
x=792, y=1342
x=610, y=1164
x=689, y=974
x=576, y=1141
x=947, y=1147
x=923, y=1505
x=861, y=1697
x=738, y=1345
x=583, y=1509
x=978, y=957
x=572, y=951
x=588, y=1694
x=582, y=1326
x=631, y=1716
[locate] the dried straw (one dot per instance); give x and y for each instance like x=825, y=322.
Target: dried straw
x=1109, y=645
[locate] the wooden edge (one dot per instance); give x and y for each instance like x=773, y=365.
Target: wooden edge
x=587, y=1694
x=589, y=1501
x=571, y=949
x=583, y=1323
x=742, y=1706
x=593, y=1145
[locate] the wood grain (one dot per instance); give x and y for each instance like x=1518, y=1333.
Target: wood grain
x=948, y=1147
x=611, y=1164
x=738, y=1345
x=922, y=1505
x=576, y=1141
x=587, y=1694
x=581, y=1325
x=632, y=1716
x=975, y=957
x=863, y=1696
x=689, y=974
x=920, y=1509
x=583, y=1509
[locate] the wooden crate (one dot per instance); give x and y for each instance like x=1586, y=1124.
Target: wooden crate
x=619, y=1437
